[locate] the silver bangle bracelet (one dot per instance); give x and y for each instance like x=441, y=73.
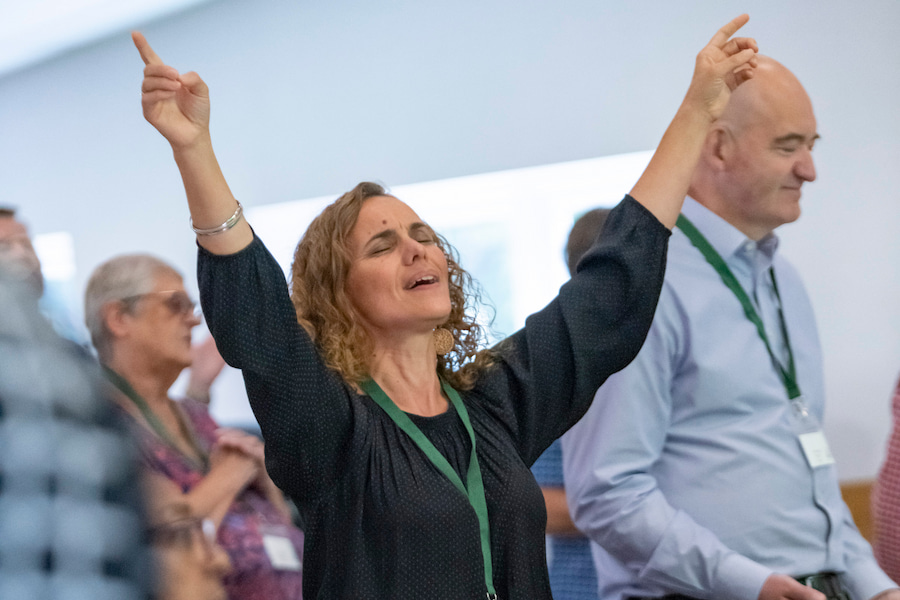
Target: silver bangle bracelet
x=231, y=222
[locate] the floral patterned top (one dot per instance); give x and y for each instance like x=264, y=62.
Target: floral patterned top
x=251, y=519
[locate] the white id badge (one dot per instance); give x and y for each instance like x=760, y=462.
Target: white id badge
x=281, y=552
x=816, y=449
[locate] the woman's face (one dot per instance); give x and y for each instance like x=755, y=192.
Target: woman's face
x=160, y=322
x=398, y=279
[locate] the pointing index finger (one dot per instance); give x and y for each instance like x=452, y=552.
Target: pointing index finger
x=723, y=34
x=147, y=54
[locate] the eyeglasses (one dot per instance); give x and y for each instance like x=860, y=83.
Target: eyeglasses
x=183, y=533
x=178, y=302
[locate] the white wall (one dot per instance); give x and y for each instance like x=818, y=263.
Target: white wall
x=309, y=98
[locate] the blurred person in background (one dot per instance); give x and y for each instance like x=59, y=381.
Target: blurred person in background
x=190, y=562
x=886, y=501
x=17, y=255
x=140, y=319
x=71, y=518
x=572, y=573
x=20, y=260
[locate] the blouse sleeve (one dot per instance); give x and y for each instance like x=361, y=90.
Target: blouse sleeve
x=548, y=371
x=302, y=407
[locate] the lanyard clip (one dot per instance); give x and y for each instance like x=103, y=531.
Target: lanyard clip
x=491, y=596
x=800, y=408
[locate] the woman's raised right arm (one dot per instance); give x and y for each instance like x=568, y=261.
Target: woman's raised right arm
x=178, y=107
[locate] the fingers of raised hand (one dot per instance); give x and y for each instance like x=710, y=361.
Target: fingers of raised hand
x=744, y=58
x=728, y=30
x=735, y=45
x=159, y=83
x=206, y=354
x=147, y=54
x=738, y=77
x=735, y=62
x=193, y=82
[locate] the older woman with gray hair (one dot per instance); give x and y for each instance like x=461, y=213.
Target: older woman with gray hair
x=140, y=318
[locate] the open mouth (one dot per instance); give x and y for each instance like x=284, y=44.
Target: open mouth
x=427, y=280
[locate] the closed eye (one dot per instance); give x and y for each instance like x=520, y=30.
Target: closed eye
x=381, y=242
x=792, y=142
x=380, y=249
x=422, y=233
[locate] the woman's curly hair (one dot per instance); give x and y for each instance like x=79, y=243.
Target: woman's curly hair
x=319, y=275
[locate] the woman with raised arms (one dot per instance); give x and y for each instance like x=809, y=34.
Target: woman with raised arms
x=404, y=444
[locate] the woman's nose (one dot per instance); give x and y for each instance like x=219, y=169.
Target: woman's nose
x=412, y=250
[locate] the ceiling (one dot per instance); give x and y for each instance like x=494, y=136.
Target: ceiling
x=34, y=30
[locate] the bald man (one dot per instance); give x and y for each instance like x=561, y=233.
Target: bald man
x=701, y=470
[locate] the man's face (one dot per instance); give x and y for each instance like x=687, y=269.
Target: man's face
x=17, y=255
x=771, y=161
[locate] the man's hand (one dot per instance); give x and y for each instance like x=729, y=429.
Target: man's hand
x=892, y=594
x=783, y=587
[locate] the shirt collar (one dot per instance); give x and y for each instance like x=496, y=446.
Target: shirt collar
x=728, y=241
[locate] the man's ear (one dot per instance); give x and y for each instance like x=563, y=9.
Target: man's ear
x=115, y=318
x=719, y=147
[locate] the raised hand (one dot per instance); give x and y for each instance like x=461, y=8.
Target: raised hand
x=206, y=365
x=176, y=105
x=721, y=66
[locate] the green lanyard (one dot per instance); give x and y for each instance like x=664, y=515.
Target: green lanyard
x=474, y=488
x=126, y=388
x=789, y=374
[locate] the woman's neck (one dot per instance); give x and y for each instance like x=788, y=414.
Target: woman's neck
x=151, y=383
x=407, y=374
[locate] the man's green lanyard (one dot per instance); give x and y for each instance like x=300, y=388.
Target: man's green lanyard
x=155, y=424
x=474, y=488
x=788, y=375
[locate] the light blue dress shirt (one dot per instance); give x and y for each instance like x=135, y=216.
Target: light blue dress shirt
x=688, y=468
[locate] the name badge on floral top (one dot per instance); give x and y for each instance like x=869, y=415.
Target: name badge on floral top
x=816, y=449
x=281, y=553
